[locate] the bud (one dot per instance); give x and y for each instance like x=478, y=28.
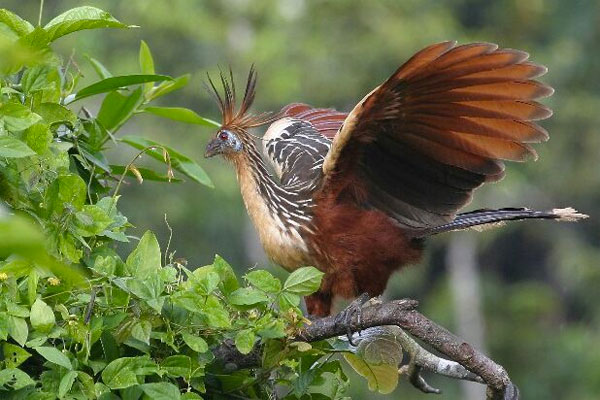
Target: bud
x=53, y=281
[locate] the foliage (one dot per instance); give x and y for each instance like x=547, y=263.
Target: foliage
x=78, y=321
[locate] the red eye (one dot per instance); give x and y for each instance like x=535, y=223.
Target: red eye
x=223, y=136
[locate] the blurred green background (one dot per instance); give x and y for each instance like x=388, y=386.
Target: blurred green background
x=528, y=293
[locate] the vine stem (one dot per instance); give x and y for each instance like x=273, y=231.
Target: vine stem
x=138, y=155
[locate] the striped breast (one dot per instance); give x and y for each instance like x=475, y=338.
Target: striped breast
x=282, y=211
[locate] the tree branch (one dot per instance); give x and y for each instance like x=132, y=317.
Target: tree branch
x=465, y=362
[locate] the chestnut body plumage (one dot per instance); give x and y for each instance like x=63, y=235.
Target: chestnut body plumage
x=356, y=194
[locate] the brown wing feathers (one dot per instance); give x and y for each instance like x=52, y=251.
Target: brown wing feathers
x=326, y=120
x=439, y=127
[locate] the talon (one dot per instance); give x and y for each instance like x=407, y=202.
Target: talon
x=345, y=317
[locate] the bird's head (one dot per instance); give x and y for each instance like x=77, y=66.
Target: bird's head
x=233, y=138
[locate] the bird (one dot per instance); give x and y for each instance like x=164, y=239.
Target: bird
x=357, y=194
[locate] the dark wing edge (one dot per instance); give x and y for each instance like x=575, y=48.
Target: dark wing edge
x=419, y=144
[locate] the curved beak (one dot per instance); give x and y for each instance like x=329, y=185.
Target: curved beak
x=213, y=148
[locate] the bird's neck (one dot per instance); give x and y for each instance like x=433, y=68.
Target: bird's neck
x=256, y=183
x=280, y=216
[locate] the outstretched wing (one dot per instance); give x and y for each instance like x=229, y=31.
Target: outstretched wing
x=418, y=145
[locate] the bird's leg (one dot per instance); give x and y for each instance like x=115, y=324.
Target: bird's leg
x=318, y=304
x=346, y=315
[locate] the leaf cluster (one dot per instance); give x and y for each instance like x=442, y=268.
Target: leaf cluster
x=77, y=320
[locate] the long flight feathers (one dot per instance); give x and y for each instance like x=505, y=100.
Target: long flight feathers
x=449, y=111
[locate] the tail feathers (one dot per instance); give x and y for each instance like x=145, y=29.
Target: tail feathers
x=486, y=218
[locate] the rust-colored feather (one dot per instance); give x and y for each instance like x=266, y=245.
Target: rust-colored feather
x=466, y=107
x=326, y=120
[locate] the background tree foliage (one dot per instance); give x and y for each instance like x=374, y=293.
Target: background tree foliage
x=538, y=281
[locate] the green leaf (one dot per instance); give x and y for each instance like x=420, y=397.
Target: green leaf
x=147, y=288
x=205, y=280
x=11, y=147
x=42, y=316
x=105, y=265
x=100, y=69
x=177, y=366
x=117, y=82
x=215, y=313
x=80, y=18
x=229, y=281
x=141, y=331
x=380, y=346
x=264, y=280
x=145, y=59
x=272, y=330
x=382, y=377
x=4, y=325
x=194, y=342
x=42, y=78
x=303, y=281
x=87, y=384
x=16, y=310
x=187, y=299
x=14, y=355
x=17, y=117
x=17, y=329
x=117, y=108
x=37, y=39
x=247, y=296
x=244, y=341
x=64, y=192
x=179, y=161
x=146, y=64
x=32, y=282
x=38, y=137
x=168, y=86
x=191, y=396
x=91, y=220
x=123, y=372
x=181, y=114
x=15, y=23
x=53, y=113
x=161, y=391
x=55, y=356
x=14, y=379
x=147, y=174
x=66, y=383
x=377, y=357
x=288, y=300
x=145, y=259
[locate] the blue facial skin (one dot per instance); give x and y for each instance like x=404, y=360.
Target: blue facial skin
x=224, y=142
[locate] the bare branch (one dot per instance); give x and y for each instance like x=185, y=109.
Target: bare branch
x=464, y=362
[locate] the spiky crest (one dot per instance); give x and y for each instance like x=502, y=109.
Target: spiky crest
x=242, y=120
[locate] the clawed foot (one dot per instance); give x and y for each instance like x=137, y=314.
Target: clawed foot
x=345, y=317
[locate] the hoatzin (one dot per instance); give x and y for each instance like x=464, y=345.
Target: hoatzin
x=356, y=194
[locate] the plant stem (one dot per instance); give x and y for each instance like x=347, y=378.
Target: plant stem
x=41, y=10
